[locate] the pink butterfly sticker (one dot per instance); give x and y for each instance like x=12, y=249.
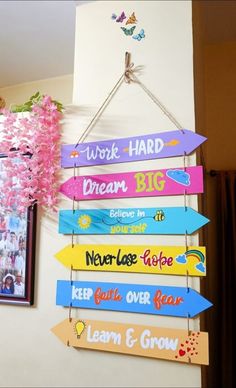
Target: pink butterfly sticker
x=121, y=18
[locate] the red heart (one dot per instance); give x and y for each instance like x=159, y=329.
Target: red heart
x=188, y=349
x=181, y=352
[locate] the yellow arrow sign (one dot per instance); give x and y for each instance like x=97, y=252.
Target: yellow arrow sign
x=147, y=341
x=175, y=260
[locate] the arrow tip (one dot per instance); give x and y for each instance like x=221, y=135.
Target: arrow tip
x=194, y=220
x=192, y=140
x=61, y=330
x=197, y=303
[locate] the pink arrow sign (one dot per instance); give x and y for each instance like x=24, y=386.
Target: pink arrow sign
x=149, y=183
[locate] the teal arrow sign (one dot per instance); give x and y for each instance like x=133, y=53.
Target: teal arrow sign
x=168, y=220
x=134, y=298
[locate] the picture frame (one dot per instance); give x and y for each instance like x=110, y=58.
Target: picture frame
x=17, y=249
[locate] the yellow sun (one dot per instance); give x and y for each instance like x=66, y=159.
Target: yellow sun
x=84, y=221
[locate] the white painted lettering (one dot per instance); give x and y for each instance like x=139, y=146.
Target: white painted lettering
x=138, y=297
x=98, y=152
x=149, y=342
x=145, y=147
x=81, y=293
x=91, y=187
x=103, y=336
x=129, y=338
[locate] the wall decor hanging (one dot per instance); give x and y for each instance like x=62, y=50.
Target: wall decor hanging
x=172, y=181
x=139, y=340
x=131, y=149
x=170, y=260
x=168, y=220
x=134, y=298
x=31, y=129
x=29, y=163
x=182, y=302
x=122, y=18
x=17, y=246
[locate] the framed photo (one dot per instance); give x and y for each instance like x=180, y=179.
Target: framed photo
x=17, y=248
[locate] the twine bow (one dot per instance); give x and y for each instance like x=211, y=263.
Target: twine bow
x=129, y=68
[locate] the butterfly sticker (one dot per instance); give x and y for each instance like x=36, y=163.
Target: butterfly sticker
x=113, y=16
x=132, y=19
x=128, y=31
x=121, y=18
x=140, y=35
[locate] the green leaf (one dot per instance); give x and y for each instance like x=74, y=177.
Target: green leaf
x=35, y=99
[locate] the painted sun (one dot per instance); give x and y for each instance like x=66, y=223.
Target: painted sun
x=84, y=221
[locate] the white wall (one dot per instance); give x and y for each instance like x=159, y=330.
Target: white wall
x=31, y=354
x=59, y=88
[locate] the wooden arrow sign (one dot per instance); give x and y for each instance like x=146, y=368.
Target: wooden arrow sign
x=174, y=260
x=151, y=183
x=147, y=341
x=132, y=298
x=131, y=149
x=168, y=220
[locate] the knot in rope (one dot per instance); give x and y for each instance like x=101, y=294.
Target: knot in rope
x=129, y=69
x=128, y=74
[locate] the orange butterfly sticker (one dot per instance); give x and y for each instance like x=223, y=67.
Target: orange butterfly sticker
x=132, y=19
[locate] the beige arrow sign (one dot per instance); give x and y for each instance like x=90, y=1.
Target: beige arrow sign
x=147, y=341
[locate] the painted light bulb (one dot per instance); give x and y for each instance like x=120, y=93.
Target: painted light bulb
x=79, y=327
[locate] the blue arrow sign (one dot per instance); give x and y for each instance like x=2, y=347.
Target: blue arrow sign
x=168, y=220
x=134, y=298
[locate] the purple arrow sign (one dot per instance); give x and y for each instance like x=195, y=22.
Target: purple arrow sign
x=131, y=149
x=149, y=183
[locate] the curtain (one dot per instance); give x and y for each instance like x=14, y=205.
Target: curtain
x=220, y=283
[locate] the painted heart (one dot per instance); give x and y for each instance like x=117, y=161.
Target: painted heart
x=188, y=349
x=181, y=352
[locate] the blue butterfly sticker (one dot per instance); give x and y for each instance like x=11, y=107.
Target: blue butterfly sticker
x=139, y=36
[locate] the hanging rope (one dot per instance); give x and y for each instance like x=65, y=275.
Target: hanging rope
x=128, y=76
x=157, y=102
